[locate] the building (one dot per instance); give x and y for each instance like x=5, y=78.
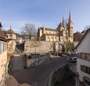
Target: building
x=11, y=36
x=78, y=36
x=3, y=57
x=83, y=59
x=61, y=33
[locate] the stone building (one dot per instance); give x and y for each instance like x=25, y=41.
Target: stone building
x=61, y=33
x=11, y=36
x=78, y=36
x=3, y=57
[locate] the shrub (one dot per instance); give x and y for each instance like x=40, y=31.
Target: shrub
x=29, y=56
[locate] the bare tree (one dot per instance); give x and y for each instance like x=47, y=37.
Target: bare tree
x=28, y=29
x=35, y=43
x=87, y=27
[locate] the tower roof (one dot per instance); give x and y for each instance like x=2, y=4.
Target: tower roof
x=60, y=25
x=10, y=31
x=70, y=20
x=63, y=23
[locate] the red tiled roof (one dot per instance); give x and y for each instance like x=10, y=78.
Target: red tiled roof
x=2, y=37
x=10, y=31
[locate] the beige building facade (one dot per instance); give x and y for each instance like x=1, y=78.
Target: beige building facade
x=3, y=57
x=83, y=59
x=62, y=33
x=11, y=36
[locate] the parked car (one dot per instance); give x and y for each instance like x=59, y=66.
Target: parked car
x=60, y=54
x=72, y=52
x=52, y=52
x=69, y=53
x=73, y=59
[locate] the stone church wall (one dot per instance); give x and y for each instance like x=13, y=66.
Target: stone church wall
x=43, y=47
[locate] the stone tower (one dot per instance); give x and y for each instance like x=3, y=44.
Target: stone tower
x=70, y=28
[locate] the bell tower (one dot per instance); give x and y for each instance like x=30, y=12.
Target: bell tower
x=70, y=27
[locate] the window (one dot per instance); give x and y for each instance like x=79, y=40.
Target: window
x=87, y=81
x=3, y=47
x=85, y=56
x=86, y=69
x=82, y=68
x=89, y=70
x=10, y=35
x=0, y=47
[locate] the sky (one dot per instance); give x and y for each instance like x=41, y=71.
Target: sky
x=44, y=12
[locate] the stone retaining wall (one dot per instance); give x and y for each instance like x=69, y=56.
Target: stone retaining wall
x=36, y=60
x=43, y=47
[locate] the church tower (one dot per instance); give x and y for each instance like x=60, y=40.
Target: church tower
x=70, y=28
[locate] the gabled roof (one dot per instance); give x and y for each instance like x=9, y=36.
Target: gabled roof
x=83, y=38
x=2, y=37
x=10, y=31
x=49, y=29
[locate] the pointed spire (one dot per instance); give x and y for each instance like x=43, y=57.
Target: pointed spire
x=70, y=20
x=63, y=23
x=10, y=26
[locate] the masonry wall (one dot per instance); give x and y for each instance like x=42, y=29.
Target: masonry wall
x=43, y=47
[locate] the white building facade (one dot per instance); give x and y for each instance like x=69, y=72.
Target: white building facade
x=83, y=59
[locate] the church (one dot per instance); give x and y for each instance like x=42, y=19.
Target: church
x=64, y=32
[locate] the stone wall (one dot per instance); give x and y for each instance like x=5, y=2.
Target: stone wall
x=37, y=60
x=43, y=47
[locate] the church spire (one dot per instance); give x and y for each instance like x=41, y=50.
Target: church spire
x=10, y=26
x=70, y=20
x=63, y=23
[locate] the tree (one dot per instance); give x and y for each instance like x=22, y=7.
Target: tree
x=69, y=46
x=35, y=43
x=87, y=27
x=28, y=29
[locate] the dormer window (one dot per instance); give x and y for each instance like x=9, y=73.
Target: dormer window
x=10, y=35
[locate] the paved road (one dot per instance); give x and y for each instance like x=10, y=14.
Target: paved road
x=18, y=63
x=37, y=76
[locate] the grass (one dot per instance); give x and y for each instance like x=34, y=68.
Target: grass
x=29, y=56
x=35, y=54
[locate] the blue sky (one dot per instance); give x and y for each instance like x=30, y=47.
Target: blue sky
x=44, y=12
